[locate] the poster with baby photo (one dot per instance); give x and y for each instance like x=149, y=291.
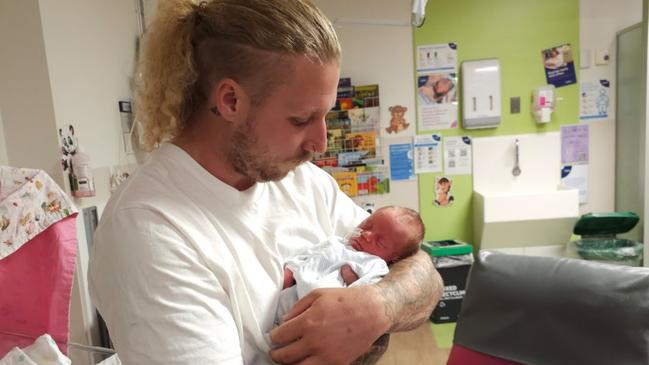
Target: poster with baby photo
x=437, y=100
x=443, y=194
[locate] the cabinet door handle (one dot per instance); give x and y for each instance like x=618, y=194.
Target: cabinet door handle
x=491, y=102
x=474, y=104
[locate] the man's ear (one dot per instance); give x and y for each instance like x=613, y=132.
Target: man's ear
x=229, y=100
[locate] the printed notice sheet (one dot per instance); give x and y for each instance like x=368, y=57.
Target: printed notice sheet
x=428, y=153
x=594, y=100
x=401, y=162
x=457, y=155
x=574, y=144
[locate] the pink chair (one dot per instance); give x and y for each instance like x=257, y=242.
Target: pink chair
x=464, y=356
x=39, y=247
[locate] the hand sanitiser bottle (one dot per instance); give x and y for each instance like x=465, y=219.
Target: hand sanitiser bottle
x=543, y=103
x=85, y=185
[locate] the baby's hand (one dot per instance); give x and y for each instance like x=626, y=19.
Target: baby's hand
x=349, y=276
x=288, y=278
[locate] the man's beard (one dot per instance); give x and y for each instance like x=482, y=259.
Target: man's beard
x=252, y=160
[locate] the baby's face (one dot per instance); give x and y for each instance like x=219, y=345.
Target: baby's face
x=443, y=86
x=381, y=235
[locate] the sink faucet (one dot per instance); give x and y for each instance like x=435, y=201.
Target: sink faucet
x=517, y=170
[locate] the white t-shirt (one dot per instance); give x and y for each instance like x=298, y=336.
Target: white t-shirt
x=186, y=269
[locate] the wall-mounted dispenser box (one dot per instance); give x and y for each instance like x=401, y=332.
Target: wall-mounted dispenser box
x=543, y=102
x=481, y=94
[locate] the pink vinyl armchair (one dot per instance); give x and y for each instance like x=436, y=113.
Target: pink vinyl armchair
x=38, y=247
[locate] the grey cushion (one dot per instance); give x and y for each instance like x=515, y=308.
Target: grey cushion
x=541, y=310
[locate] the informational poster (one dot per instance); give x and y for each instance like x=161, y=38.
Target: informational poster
x=437, y=100
x=576, y=176
x=428, y=153
x=559, y=65
x=594, y=100
x=457, y=155
x=401, y=164
x=437, y=57
x=437, y=107
x=574, y=144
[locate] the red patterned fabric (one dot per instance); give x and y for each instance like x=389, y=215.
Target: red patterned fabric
x=36, y=285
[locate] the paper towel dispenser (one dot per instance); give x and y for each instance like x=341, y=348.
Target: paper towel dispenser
x=481, y=94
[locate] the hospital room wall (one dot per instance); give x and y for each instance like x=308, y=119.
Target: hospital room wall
x=516, y=33
x=379, y=53
x=600, y=20
x=28, y=126
x=71, y=62
x=4, y=160
x=86, y=88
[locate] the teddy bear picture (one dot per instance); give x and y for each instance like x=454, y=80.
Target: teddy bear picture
x=398, y=123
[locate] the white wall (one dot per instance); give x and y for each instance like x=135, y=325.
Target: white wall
x=379, y=54
x=4, y=160
x=600, y=20
x=90, y=48
x=25, y=95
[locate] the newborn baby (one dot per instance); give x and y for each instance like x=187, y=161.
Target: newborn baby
x=390, y=234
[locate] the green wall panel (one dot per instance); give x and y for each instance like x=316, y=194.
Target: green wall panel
x=515, y=32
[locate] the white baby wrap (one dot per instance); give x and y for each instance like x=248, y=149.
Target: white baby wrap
x=319, y=267
x=43, y=351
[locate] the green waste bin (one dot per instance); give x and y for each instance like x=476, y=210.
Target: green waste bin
x=452, y=259
x=599, y=241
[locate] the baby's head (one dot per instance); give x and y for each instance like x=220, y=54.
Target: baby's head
x=443, y=86
x=391, y=233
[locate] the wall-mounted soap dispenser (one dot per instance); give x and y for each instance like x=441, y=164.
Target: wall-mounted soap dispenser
x=543, y=102
x=481, y=94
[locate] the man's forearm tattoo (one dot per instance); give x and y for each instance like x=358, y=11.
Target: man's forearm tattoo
x=410, y=291
x=376, y=351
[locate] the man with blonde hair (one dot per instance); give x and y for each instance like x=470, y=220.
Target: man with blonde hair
x=188, y=256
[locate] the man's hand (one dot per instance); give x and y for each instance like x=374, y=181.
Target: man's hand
x=336, y=326
x=330, y=326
